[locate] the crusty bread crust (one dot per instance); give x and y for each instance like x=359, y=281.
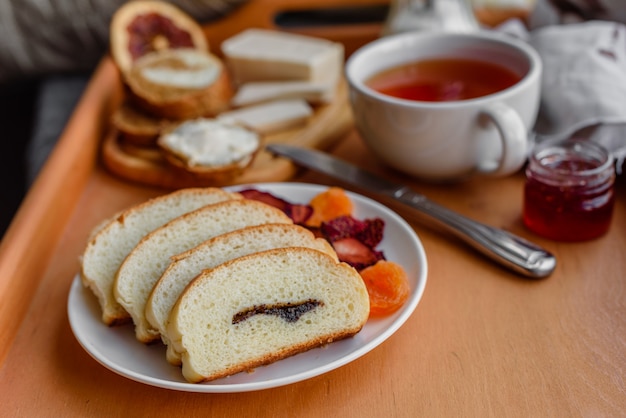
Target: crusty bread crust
x=220, y=174
x=269, y=357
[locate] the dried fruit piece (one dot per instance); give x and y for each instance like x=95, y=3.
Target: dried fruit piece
x=298, y=213
x=387, y=285
x=140, y=27
x=354, y=240
x=329, y=204
x=354, y=252
x=368, y=231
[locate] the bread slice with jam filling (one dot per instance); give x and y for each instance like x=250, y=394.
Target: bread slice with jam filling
x=264, y=307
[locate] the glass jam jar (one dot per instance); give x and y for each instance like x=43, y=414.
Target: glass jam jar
x=568, y=194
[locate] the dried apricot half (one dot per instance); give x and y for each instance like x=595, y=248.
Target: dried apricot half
x=329, y=204
x=387, y=285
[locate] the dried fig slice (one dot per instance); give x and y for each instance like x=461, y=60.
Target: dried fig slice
x=141, y=27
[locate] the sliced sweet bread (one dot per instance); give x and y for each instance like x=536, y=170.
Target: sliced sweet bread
x=184, y=267
x=113, y=240
x=263, y=307
x=148, y=260
x=179, y=84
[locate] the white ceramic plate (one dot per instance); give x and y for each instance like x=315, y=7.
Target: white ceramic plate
x=117, y=349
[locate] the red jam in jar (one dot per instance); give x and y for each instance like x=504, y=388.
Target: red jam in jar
x=568, y=194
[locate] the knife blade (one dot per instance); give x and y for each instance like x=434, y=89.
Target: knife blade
x=506, y=248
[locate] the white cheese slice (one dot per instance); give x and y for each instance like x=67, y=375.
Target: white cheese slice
x=264, y=91
x=264, y=55
x=270, y=117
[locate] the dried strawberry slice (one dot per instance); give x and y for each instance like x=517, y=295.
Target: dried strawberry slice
x=355, y=253
x=355, y=240
x=297, y=212
x=372, y=234
x=368, y=231
x=264, y=197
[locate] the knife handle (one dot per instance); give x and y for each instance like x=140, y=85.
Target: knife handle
x=504, y=247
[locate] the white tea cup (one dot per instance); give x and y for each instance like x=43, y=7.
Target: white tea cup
x=447, y=140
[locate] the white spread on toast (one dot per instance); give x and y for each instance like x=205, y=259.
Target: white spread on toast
x=200, y=70
x=210, y=142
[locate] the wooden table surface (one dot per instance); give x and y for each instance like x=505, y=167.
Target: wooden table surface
x=482, y=341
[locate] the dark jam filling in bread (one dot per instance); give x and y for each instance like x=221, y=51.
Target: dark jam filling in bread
x=290, y=312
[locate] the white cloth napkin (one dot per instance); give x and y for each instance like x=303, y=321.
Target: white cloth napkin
x=584, y=81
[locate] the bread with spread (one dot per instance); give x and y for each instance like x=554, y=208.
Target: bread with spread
x=209, y=148
x=263, y=307
x=179, y=84
x=113, y=240
x=184, y=267
x=147, y=261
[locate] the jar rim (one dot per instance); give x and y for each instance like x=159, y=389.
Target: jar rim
x=591, y=151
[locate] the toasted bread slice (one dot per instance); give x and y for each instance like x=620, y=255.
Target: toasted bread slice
x=210, y=149
x=114, y=240
x=143, y=267
x=186, y=266
x=263, y=307
x=137, y=127
x=179, y=84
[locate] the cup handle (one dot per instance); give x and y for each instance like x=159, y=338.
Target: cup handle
x=514, y=138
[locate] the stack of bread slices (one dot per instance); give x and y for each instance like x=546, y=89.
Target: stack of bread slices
x=227, y=283
x=202, y=113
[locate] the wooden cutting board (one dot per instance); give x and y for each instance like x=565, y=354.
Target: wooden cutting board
x=328, y=124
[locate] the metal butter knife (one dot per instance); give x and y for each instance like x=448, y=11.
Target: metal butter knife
x=504, y=247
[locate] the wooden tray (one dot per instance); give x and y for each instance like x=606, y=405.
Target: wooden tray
x=482, y=342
